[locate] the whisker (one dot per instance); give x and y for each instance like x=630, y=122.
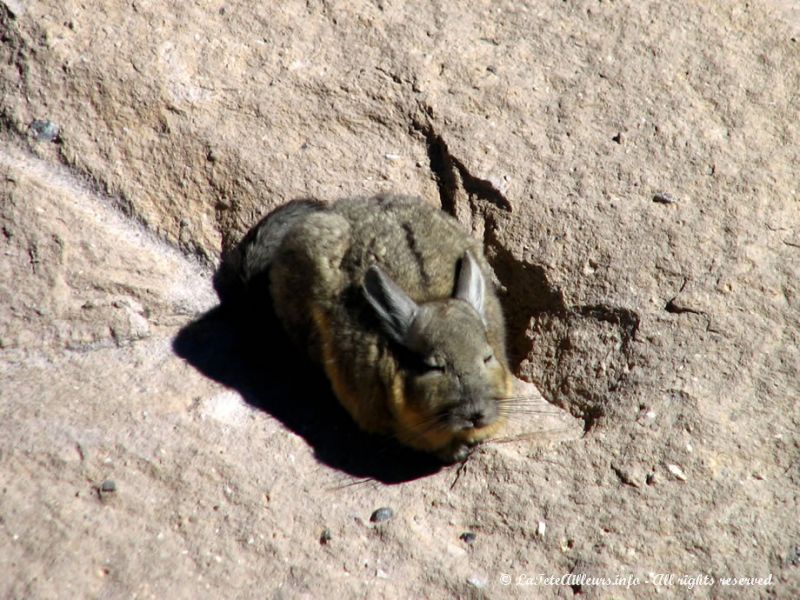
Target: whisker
x=528, y=404
x=520, y=396
x=531, y=408
x=433, y=424
x=527, y=418
x=532, y=435
x=353, y=483
x=522, y=400
x=524, y=410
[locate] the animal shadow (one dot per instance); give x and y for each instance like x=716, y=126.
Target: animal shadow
x=241, y=345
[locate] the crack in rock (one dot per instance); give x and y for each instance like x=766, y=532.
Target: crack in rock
x=452, y=175
x=676, y=307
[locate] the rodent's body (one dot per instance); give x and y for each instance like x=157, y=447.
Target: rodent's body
x=423, y=362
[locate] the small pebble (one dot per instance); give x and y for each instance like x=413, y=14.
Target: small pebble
x=664, y=198
x=44, y=130
x=382, y=514
x=108, y=486
x=326, y=536
x=541, y=529
x=468, y=537
x=677, y=472
x=476, y=581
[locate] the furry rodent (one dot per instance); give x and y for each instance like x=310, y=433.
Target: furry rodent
x=397, y=304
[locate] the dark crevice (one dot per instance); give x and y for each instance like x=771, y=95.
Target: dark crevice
x=441, y=165
x=591, y=417
x=481, y=188
x=676, y=309
x=672, y=307
x=450, y=174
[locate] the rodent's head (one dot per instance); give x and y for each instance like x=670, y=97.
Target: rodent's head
x=450, y=380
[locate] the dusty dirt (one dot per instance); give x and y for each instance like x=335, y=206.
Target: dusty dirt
x=633, y=171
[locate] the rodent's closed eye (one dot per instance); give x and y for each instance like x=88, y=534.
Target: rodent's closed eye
x=433, y=363
x=420, y=364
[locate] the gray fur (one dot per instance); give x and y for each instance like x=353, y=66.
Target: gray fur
x=259, y=251
x=352, y=280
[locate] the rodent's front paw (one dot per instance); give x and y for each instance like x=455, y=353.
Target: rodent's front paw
x=455, y=452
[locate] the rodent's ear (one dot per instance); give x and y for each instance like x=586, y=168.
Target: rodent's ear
x=471, y=286
x=395, y=309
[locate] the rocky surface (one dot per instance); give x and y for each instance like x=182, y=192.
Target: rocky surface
x=632, y=170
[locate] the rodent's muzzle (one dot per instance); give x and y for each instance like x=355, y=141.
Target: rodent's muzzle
x=473, y=414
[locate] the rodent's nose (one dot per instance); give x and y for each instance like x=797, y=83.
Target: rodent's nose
x=477, y=419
